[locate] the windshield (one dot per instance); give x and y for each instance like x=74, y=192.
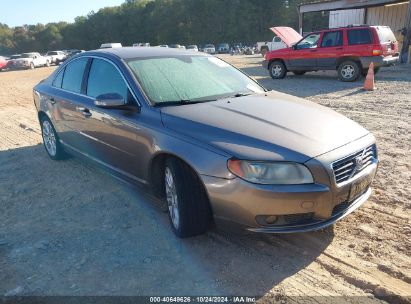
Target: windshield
x=52, y=53
x=27, y=55
x=190, y=78
x=209, y=45
x=15, y=56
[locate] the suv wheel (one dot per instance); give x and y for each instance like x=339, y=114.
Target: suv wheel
x=277, y=69
x=51, y=140
x=348, y=71
x=188, y=205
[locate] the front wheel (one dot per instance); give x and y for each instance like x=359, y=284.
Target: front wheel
x=32, y=66
x=51, y=140
x=188, y=205
x=348, y=71
x=277, y=70
x=47, y=63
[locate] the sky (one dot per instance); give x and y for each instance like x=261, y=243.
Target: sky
x=20, y=12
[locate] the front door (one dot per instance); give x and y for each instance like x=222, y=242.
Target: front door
x=303, y=55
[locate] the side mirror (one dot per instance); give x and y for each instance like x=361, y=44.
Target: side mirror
x=110, y=100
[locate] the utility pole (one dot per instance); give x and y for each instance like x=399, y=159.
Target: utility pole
x=407, y=36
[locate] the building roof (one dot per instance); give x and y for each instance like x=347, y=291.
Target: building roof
x=330, y=5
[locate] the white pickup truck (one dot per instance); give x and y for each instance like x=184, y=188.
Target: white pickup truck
x=56, y=56
x=31, y=61
x=267, y=46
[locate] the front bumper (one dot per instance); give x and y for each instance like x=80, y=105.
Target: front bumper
x=298, y=208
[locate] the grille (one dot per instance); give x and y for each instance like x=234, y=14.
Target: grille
x=298, y=218
x=347, y=167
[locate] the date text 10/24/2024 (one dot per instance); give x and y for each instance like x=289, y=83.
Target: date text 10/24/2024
x=203, y=299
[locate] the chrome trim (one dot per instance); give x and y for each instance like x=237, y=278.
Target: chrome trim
x=318, y=225
x=94, y=57
x=105, y=164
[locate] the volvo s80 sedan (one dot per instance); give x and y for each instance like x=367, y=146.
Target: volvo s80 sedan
x=208, y=140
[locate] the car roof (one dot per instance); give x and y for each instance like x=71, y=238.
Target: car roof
x=133, y=52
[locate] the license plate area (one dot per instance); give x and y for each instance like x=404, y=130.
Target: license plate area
x=359, y=187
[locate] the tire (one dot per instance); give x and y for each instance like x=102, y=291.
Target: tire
x=47, y=63
x=349, y=71
x=263, y=51
x=299, y=72
x=364, y=72
x=188, y=207
x=51, y=140
x=277, y=69
x=32, y=66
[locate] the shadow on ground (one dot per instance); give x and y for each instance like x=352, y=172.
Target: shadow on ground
x=69, y=228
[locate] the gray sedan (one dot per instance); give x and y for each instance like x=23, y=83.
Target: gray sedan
x=207, y=139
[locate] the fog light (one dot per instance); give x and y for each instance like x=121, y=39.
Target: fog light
x=271, y=219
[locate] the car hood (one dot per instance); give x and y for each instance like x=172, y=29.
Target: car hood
x=271, y=126
x=287, y=34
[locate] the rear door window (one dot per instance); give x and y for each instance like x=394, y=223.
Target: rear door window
x=59, y=79
x=73, y=75
x=104, y=78
x=359, y=36
x=332, y=39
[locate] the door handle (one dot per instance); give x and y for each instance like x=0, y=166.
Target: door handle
x=52, y=100
x=340, y=48
x=84, y=111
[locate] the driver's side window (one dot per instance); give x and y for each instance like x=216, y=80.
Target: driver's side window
x=309, y=42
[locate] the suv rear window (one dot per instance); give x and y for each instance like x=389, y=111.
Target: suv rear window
x=359, y=36
x=385, y=34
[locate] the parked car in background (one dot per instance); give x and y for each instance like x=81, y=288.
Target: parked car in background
x=56, y=56
x=73, y=52
x=349, y=50
x=3, y=63
x=163, y=46
x=275, y=44
x=111, y=45
x=174, y=46
x=141, y=44
x=10, y=63
x=192, y=47
x=210, y=141
x=223, y=48
x=30, y=61
x=209, y=48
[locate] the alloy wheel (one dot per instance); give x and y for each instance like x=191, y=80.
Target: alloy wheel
x=172, y=198
x=49, y=138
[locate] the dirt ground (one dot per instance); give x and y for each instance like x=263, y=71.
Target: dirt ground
x=69, y=228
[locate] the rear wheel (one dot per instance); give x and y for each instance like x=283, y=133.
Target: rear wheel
x=47, y=63
x=32, y=66
x=299, y=72
x=277, y=69
x=51, y=140
x=348, y=71
x=188, y=205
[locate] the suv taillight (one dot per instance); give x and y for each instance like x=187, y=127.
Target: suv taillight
x=376, y=52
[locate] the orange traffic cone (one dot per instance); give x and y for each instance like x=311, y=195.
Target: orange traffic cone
x=369, y=80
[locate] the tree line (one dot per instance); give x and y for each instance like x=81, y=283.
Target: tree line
x=160, y=22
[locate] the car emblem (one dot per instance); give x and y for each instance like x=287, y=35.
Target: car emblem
x=358, y=163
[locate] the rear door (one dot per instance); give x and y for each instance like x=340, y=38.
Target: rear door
x=360, y=42
x=303, y=56
x=330, y=49
x=69, y=103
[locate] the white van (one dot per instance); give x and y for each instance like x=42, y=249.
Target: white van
x=110, y=45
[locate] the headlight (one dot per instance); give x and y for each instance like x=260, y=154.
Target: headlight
x=271, y=173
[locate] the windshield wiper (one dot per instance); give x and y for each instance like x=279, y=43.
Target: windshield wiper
x=181, y=102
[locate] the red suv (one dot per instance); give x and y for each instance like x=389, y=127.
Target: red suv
x=349, y=50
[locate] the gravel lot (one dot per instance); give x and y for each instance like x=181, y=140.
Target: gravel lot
x=69, y=228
